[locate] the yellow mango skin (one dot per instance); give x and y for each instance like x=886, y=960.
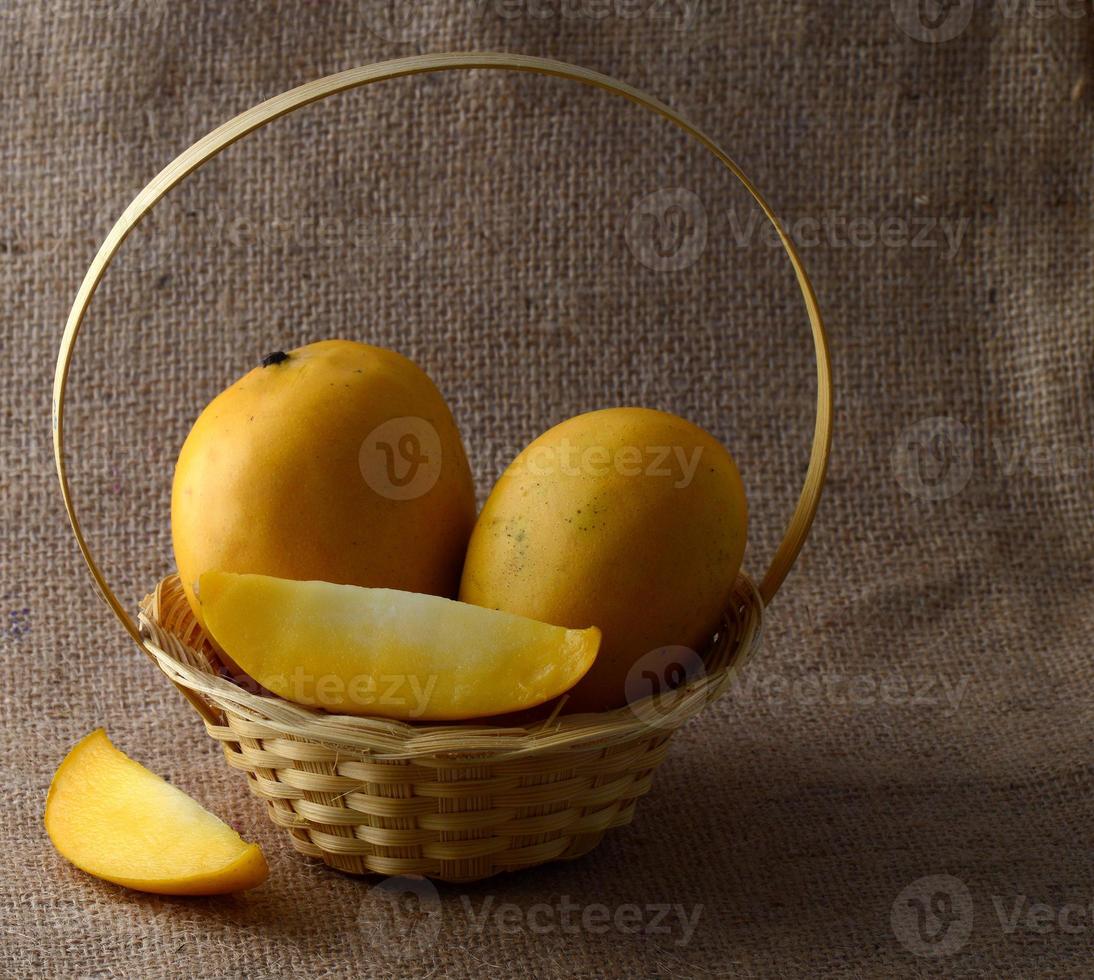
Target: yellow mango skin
x=381, y=652
x=588, y=525
x=114, y=819
x=269, y=479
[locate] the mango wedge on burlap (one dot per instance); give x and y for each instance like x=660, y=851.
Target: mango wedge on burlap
x=387, y=653
x=115, y=820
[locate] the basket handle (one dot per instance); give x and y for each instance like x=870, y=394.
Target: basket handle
x=224, y=136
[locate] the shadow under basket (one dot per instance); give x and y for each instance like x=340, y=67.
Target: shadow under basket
x=451, y=802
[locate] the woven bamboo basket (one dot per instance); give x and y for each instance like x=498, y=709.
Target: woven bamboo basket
x=454, y=802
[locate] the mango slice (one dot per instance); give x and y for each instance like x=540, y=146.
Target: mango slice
x=115, y=820
x=382, y=652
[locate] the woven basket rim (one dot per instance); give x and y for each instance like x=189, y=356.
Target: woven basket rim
x=385, y=738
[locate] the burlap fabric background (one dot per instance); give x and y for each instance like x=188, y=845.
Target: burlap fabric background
x=915, y=737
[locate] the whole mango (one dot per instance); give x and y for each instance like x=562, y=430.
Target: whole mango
x=628, y=519
x=337, y=461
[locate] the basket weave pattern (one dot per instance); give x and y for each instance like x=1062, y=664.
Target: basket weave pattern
x=455, y=803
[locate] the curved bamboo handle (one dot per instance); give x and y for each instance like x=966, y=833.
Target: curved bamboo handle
x=224, y=136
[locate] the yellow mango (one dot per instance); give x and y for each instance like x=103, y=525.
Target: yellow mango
x=336, y=461
x=114, y=819
x=630, y=519
x=384, y=652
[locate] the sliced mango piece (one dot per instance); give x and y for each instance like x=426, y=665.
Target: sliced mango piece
x=387, y=653
x=115, y=820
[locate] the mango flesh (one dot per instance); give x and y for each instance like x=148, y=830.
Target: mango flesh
x=336, y=461
x=388, y=653
x=631, y=519
x=114, y=819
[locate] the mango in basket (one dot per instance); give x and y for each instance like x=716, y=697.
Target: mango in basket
x=383, y=652
x=115, y=820
x=336, y=461
x=628, y=518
